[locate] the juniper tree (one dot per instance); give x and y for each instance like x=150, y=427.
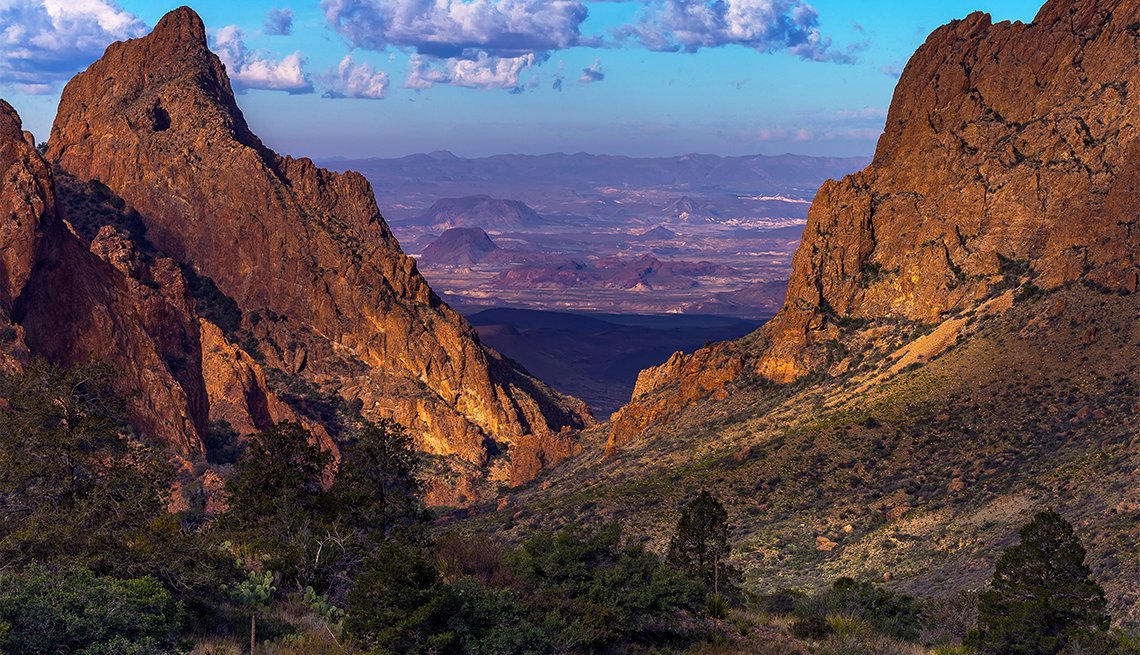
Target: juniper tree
x=1042, y=598
x=700, y=545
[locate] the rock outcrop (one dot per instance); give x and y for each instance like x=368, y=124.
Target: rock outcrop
x=66, y=303
x=324, y=292
x=1010, y=156
x=25, y=201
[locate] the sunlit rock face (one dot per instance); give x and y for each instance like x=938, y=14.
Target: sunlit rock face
x=1010, y=150
x=323, y=290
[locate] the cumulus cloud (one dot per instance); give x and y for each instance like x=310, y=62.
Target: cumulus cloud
x=476, y=44
x=463, y=41
x=355, y=80
x=279, y=22
x=43, y=42
x=253, y=70
x=458, y=28
x=484, y=72
x=592, y=73
x=763, y=25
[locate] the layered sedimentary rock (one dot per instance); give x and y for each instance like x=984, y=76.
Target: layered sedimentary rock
x=322, y=287
x=1010, y=156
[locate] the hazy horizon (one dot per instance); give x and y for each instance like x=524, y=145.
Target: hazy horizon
x=677, y=155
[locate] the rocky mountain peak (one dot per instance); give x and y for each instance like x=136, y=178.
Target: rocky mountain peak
x=1009, y=159
x=316, y=285
x=181, y=25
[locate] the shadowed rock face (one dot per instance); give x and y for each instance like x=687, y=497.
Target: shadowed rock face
x=69, y=304
x=321, y=283
x=1009, y=149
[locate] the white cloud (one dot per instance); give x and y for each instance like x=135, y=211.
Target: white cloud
x=459, y=28
x=486, y=43
x=764, y=25
x=355, y=80
x=485, y=72
x=469, y=43
x=279, y=22
x=252, y=70
x=43, y=42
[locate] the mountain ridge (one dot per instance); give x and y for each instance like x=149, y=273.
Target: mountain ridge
x=972, y=190
x=320, y=292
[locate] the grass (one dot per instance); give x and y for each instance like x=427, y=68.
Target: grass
x=962, y=449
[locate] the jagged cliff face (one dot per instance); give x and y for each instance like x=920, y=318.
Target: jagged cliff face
x=1010, y=153
x=322, y=285
x=25, y=201
x=65, y=302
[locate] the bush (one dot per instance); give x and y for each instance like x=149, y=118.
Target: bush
x=813, y=628
x=592, y=591
x=716, y=606
x=781, y=601
x=888, y=613
x=75, y=611
x=72, y=486
x=399, y=604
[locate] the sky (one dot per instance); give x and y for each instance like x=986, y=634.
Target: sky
x=387, y=78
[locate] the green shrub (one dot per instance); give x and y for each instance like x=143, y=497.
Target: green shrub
x=593, y=591
x=888, y=613
x=74, y=611
x=781, y=601
x=400, y=605
x=73, y=487
x=716, y=606
x=814, y=627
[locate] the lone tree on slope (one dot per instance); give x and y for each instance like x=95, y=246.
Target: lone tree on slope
x=700, y=545
x=1042, y=597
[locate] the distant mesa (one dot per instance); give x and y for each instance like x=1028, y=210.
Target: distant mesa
x=479, y=211
x=639, y=273
x=659, y=233
x=459, y=246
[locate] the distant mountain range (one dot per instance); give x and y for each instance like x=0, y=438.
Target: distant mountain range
x=605, y=186
x=691, y=171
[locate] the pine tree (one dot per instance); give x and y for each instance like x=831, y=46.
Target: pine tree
x=700, y=545
x=1042, y=597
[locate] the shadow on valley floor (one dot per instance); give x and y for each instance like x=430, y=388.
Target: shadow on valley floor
x=596, y=357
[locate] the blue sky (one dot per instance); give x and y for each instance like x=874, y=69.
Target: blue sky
x=478, y=77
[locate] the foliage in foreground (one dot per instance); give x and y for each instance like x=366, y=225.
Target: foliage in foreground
x=72, y=610
x=572, y=591
x=319, y=558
